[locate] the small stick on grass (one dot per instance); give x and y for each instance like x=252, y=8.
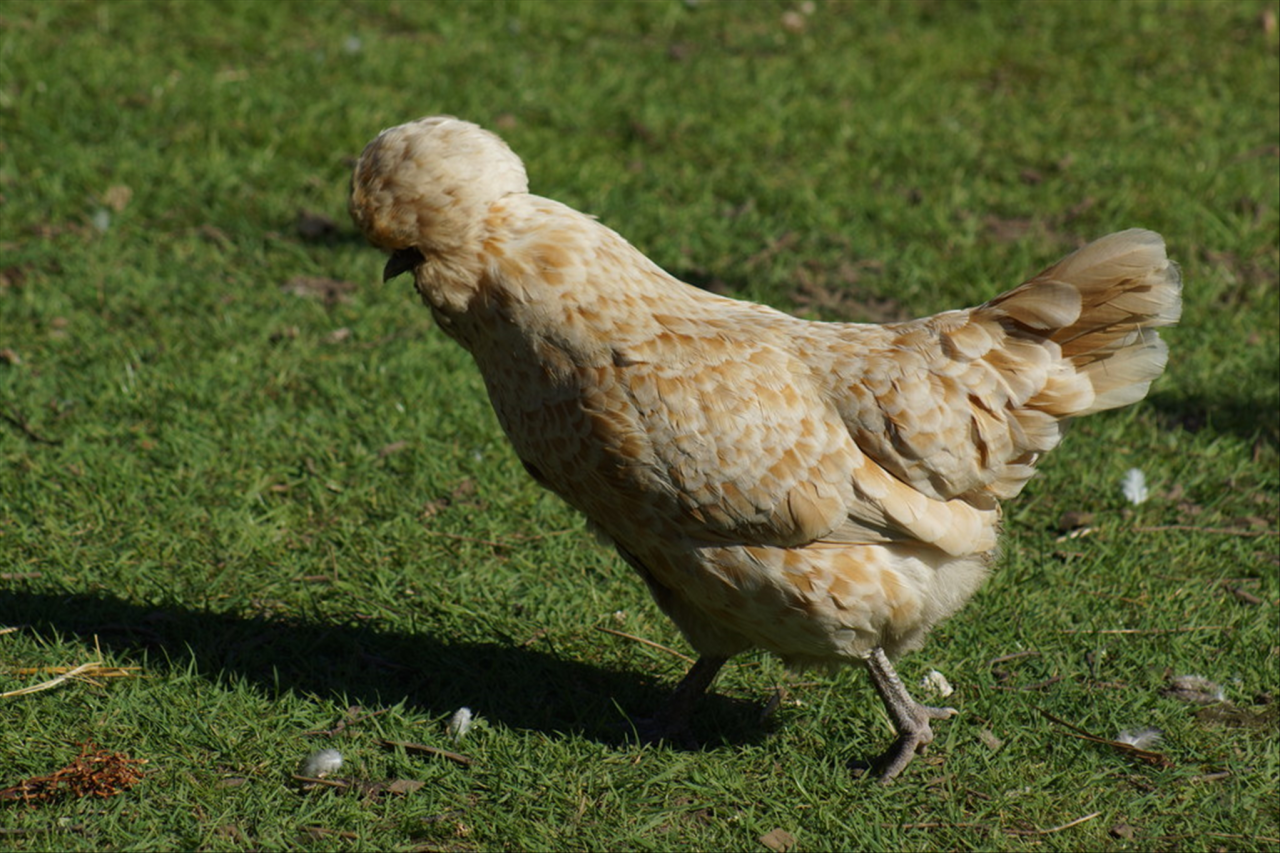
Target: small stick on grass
x=83, y=672
x=353, y=717
x=1155, y=758
x=1037, y=686
x=429, y=750
x=1225, y=531
x=1003, y=658
x=311, y=780
x=19, y=420
x=1066, y=825
x=651, y=643
x=37, y=830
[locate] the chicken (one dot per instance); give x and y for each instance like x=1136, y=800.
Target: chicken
x=825, y=491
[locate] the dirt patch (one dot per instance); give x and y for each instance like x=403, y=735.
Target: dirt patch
x=330, y=291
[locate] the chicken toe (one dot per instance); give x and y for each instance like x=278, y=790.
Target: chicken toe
x=910, y=718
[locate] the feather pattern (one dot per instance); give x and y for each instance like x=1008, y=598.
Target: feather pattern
x=820, y=490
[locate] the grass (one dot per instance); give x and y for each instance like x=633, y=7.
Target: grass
x=280, y=506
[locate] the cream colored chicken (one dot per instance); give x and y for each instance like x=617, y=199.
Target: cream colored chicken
x=825, y=491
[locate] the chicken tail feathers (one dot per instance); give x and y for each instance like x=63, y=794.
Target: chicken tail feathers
x=1102, y=306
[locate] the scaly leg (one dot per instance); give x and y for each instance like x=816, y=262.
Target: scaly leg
x=910, y=718
x=672, y=722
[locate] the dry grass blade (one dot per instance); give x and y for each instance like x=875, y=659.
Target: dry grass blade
x=1005, y=658
x=314, y=780
x=1039, y=685
x=649, y=643
x=39, y=830
x=989, y=828
x=19, y=421
x=1066, y=825
x=1157, y=759
x=1224, y=531
x=83, y=672
x=355, y=714
x=429, y=750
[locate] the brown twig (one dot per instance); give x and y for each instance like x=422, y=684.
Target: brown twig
x=1003, y=658
x=19, y=420
x=1037, y=686
x=37, y=830
x=329, y=783
x=1250, y=837
x=352, y=718
x=1225, y=531
x=651, y=643
x=429, y=750
x=1066, y=825
x=83, y=672
x=1008, y=830
x=1156, y=758
x=1241, y=594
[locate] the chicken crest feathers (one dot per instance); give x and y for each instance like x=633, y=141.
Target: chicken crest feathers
x=428, y=184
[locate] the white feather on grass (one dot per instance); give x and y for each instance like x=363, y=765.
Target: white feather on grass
x=321, y=763
x=1134, y=486
x=1144, y=738
x=459, y=723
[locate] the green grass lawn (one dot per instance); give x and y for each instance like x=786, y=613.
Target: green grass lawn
x=233, y=461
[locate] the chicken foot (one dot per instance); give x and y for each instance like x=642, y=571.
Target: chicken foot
x=910, y=718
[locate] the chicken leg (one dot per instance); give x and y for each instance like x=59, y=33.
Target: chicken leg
x=672, y=722
x=910, y=718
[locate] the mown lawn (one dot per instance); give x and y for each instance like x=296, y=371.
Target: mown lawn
x=259, y=489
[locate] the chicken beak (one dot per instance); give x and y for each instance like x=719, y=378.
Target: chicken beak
x=401, y=261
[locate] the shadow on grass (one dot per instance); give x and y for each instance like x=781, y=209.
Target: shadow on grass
x=1247, y=419
x=522, y=688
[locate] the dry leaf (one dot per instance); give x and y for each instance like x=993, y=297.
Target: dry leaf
x=337, y=336
x=404, y=786
x=394, y=447
x=117, y=197
x=778, y=840
x=94, y=773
